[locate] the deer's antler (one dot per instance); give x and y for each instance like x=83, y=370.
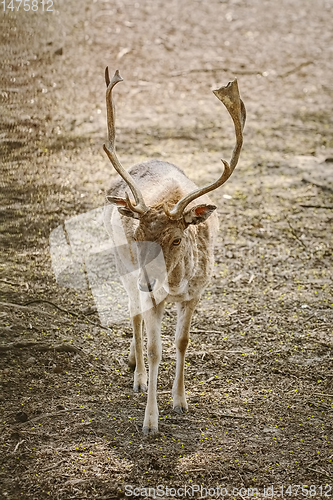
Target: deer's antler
x=229, y=95
x=140, y=206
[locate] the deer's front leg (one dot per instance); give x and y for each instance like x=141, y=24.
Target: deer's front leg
x=185, y=312
x=153, y=319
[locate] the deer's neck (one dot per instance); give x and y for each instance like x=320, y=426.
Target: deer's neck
x=196, y=263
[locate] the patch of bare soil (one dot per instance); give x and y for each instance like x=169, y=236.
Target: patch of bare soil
x=259, y=365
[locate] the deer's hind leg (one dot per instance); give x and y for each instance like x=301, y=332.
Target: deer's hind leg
x=135, y=358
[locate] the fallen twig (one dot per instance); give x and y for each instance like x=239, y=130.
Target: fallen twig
x=321, y=186
x=78, y=315
x=321, y=342
x=295, y=69
x=39, y=301
x=293, y=232
x=234, y=416
x=20, y=306
x=41, y=347
x=324, y=473
x=54, y=465
x=238, y=71
x=213, y=70
x=251, y=278
x=18, y=445
x=12, y=283
x=309, y=317
x=55, y=414
x=195, y=470
x=39, y=311
x=321, y=394
x=327, y=207
x=206, y=331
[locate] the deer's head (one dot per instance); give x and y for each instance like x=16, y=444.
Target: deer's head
x=162, y=228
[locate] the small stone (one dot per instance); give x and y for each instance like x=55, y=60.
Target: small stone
x=31, y=361
x=21, y=416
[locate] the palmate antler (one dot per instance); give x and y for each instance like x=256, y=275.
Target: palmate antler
x=229, y=96
x=140, y=206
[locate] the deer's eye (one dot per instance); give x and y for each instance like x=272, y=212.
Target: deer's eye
x=176, y=242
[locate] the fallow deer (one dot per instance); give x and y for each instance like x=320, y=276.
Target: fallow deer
x=164, y=244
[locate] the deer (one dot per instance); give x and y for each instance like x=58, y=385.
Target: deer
x=163, y=233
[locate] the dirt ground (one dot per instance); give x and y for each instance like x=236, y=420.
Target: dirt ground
x=259, y=365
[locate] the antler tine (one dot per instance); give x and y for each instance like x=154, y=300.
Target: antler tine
x=229, y=95
x=140, y=206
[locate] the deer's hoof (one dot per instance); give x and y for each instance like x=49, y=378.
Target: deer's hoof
x=180, y=409
x=140, y=388
x=149, y=431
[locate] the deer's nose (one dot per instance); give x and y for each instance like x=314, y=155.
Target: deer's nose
x=147, y=287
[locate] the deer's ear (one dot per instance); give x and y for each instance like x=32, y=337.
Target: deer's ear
x=122, y=205
x=198, y=214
